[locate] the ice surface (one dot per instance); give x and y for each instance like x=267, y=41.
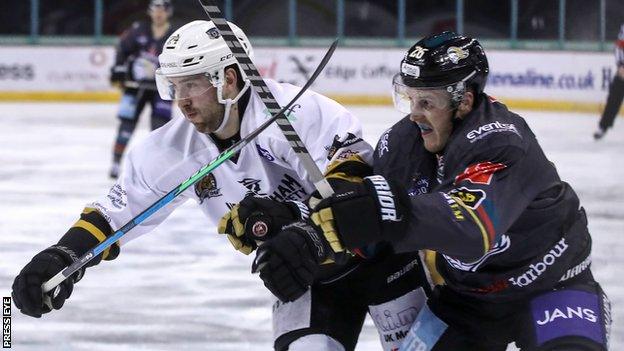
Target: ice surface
x=183, y=287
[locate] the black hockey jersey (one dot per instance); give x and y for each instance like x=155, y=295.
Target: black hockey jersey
x=491, y=205
x=139, y=42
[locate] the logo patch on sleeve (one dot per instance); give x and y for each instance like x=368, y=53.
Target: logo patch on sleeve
x=470, y=197
x=207, y=188
x=265, y=153
x=480, y=173
x=568, y=313
x=340, y=142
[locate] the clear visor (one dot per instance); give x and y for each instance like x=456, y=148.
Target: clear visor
x=185, y=87
x=418, y=99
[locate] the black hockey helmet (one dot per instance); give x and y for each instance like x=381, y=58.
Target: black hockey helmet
x=446, y=61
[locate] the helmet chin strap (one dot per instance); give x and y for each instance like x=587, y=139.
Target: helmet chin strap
x=226, y=115
x=228, y=104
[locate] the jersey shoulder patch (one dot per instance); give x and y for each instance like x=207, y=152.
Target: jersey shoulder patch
x=479, y=173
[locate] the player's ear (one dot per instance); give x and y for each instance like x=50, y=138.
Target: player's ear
x=231, y=81
x=231, y=76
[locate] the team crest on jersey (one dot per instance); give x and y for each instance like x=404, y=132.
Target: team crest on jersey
x=207, y=188
x=265, y=153
x=339, y=143
x=470, y=197
x=480, y=173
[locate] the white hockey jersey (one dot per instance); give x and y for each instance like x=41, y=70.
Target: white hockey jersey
x=267, y=166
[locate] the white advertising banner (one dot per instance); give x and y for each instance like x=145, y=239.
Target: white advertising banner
x=351, y=71
x=356, y=73
x=520, y=75
x=558, y=76
x=55, y=68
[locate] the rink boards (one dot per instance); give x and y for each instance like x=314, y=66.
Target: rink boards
x=545, y=80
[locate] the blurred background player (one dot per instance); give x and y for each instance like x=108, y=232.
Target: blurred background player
x=135, y=65
x=616, y=90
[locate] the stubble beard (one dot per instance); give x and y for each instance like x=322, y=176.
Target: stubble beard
x=211, y=124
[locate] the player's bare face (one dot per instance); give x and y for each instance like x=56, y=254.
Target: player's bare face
x=203, y=111
x=431, y=111
x=197, y=99
x=159, y=15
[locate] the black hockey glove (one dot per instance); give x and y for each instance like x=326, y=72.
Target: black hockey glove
x=27, y=293
x=289, y=261
x=118, y=75
x=256, y=219
x=375, y=210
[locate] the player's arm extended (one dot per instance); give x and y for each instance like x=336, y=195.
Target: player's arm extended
x=129, y=196
x=463, y=221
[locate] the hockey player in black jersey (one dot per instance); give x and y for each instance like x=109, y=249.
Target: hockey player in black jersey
x=616, y=90
x=464, y=177
x=136, y=61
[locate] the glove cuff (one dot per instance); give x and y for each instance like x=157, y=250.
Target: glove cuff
x=375, y=212
x=393, y=205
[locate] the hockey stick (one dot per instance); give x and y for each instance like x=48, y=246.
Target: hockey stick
x=222, y=157
x=316, y=176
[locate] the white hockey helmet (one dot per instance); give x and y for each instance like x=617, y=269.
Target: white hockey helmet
x=197, y=49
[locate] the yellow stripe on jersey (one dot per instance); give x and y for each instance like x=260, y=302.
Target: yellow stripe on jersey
x=477, y=221
x=430, y=262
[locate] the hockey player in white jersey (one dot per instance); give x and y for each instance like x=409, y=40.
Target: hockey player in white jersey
x=199, y=73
